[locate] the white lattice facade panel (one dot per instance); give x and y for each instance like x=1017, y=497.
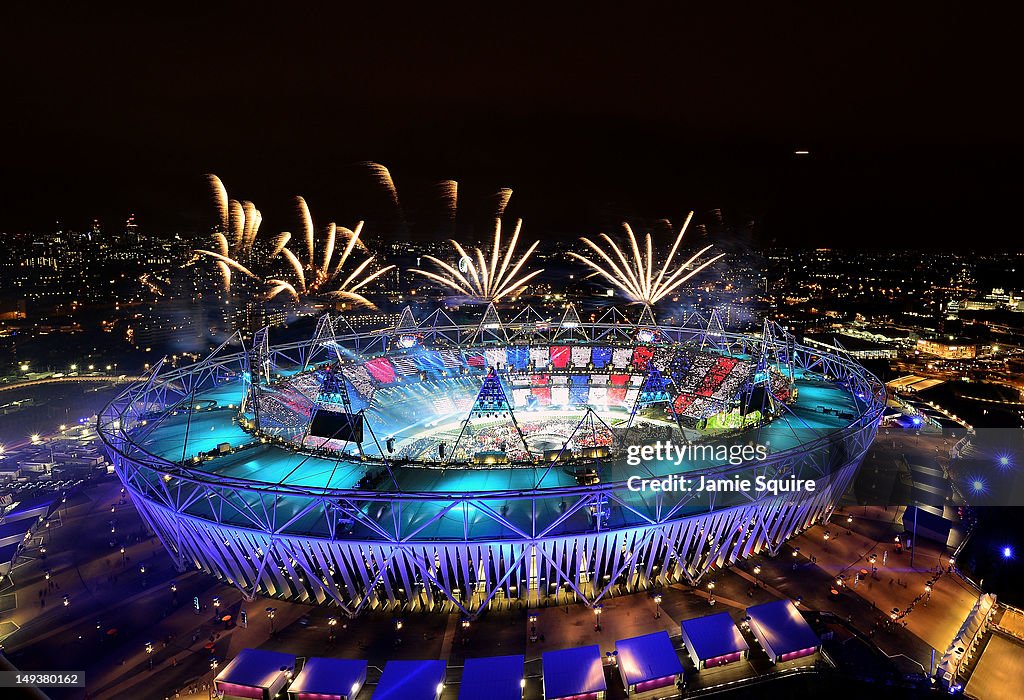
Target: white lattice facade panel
x=471, y=576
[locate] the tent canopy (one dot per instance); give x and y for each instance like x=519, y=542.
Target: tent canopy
x=712, y=636
x=647, y=657
x=410, y=680
x=575, y=671
x=329, y=676
x=492, y=678
x=256, y=668
x=782, y=627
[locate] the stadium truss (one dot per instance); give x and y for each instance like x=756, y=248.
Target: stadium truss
x=385, y=541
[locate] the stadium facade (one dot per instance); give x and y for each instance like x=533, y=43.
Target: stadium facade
x=493, y=467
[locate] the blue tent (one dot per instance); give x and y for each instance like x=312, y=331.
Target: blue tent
x=411, y=680
x=713, y=640
x=647, y=662
x=575, y=671
x=493, y=678
x=327, y=679
x=255, y=670
x=782, y=630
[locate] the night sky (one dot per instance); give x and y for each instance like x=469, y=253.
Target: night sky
x=912, y=116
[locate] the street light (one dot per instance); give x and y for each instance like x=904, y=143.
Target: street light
x=214, y=663
x=598, y=609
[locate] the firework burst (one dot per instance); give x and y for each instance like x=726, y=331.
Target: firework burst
x=635, y=274
x=448, y=192
x=233, y=241
x=316, y=270
x=316, y=267
x=502, y=196
x=485, y=277
x=382, y=176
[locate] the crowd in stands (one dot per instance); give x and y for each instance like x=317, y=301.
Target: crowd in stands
x=703, y=382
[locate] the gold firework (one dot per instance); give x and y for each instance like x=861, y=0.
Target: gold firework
x=473, y=276
x=383, y=178
x=233, y=241
x=503, y=196
x=448, y=191
x=635, y=275
x=317, y=273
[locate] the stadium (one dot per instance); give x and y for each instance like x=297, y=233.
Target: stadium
x=447, y=466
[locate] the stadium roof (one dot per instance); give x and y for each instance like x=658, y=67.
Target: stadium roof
x=782, y=627
x=647, y=657
x=575, y=671
x=492, y=678
x=712, y=636
x=255, y=668
x=410, y=680
x=329, y=676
